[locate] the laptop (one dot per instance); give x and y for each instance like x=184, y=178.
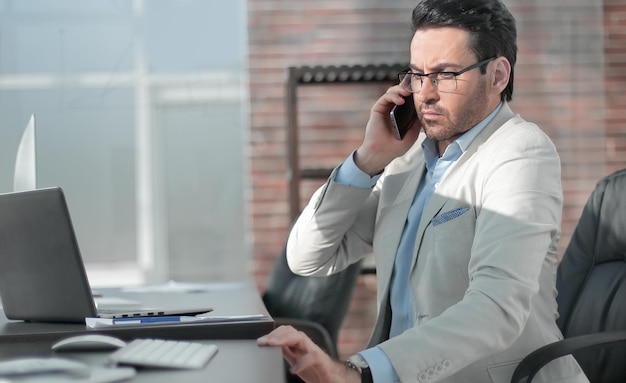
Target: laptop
x=42, y=275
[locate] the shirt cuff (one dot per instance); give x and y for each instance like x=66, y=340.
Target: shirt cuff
x=349, y=174
x=380, y=366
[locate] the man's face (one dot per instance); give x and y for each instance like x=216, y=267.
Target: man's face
x=445, y=116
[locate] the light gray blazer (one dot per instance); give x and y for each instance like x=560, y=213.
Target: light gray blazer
x=484, y=264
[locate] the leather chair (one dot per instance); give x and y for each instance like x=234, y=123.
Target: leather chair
x=314, y=305
x=591, y=281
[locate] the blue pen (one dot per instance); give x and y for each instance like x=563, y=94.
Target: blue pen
x=155, y=319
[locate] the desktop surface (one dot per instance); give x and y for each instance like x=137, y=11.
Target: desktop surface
x=232, y=299
x=236, y=361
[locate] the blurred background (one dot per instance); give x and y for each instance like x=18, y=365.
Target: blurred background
x=139, y=110
x=165, y=121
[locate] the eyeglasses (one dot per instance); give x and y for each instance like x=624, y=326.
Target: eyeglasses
x=442, y=81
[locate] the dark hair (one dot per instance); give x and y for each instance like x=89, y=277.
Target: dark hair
x=491, y=26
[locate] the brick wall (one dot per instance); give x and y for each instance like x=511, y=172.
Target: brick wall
x=569, y=80
x=614, y=17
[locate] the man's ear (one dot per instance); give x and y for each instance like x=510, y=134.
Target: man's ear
x=501, y=73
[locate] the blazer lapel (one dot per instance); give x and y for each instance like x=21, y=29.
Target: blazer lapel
x=432, y=208
x=395, y=214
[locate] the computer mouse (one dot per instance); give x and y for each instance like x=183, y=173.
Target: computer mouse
x=88, y=342
x=38, y=365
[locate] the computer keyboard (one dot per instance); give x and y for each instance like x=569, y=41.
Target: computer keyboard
x=164, y=354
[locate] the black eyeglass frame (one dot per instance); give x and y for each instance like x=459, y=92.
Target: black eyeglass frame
x=434, y=80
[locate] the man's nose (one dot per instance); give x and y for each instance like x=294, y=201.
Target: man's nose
x=428, y=92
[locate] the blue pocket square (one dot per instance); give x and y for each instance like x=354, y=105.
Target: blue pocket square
x=448, y=215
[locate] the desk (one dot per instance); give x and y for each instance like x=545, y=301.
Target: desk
x=236, y=361
x=226, y=299
x=239, y=359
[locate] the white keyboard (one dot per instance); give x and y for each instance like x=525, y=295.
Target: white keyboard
x=164, y=354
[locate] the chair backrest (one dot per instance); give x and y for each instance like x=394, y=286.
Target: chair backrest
x=324, y=300
x=591, y=278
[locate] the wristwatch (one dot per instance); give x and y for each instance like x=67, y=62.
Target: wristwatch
x=357, y=362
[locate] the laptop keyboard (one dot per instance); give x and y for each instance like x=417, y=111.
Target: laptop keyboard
x=164, y=354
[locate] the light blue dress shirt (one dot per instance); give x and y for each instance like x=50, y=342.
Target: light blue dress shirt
x=400, y=294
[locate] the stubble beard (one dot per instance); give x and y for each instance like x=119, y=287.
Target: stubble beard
x=470, y=114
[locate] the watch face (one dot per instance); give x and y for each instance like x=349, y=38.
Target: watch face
x=358, y=361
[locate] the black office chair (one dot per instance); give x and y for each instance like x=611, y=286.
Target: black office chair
x=591, y=281
x=313, y=305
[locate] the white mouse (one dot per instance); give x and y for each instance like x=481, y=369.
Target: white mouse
x=37, y=365
x=88, y=342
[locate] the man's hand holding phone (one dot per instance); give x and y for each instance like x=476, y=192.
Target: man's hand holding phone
x=381, y=145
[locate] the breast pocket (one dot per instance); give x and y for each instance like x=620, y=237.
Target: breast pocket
x=449, y=215
x=448, y=221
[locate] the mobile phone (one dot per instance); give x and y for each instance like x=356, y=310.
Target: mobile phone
x=403, y=116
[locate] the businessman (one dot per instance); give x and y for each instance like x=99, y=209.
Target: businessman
x=462, y=216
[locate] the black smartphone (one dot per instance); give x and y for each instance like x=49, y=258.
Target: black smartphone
x=403, y=116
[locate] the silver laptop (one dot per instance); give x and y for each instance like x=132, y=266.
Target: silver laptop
x=42, y=275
